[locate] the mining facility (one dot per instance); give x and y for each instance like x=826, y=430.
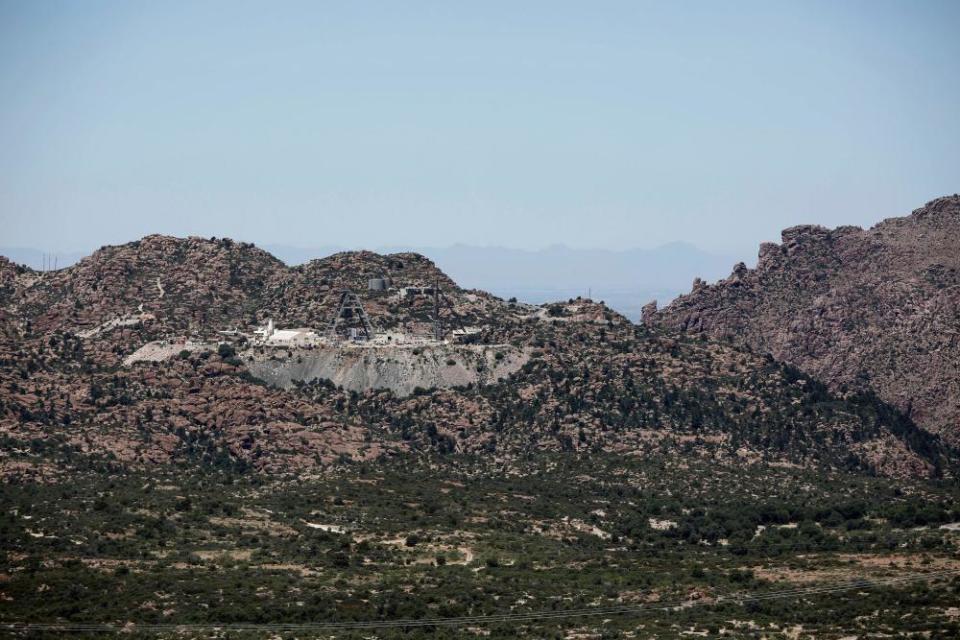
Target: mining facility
x=350, y=323
x=433, y=350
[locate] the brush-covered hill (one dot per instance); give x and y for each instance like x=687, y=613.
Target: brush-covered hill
x=860, y=309
x=593, y=381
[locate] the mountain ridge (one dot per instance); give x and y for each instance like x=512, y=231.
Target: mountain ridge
x=625, y=279
x=858, y=308
x=589, y=380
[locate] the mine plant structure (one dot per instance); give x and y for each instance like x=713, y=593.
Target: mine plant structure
x=351, y=320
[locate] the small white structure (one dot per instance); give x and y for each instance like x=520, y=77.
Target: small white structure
x=270, y=336
x=462, y=334
x=267, y=331
x=292, y=337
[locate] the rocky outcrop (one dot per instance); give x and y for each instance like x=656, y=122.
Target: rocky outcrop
x=648, y=313
x=860, y=309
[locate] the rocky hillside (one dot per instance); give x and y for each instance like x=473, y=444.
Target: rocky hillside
x=859, y=309
x=65, y=403
x=201, y=286
x=9, y=274
x=179, y=283
x=591, y=388
x=588, y=380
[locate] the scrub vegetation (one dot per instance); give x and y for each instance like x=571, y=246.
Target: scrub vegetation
x=428, y=539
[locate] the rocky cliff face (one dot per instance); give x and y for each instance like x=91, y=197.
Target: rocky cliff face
x=860, y=309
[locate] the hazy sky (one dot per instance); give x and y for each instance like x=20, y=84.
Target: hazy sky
x=595, y=124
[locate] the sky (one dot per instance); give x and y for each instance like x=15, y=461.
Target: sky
x=518, y=124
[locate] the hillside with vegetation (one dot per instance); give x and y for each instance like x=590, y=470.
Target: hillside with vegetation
x=617, y=481
x=592, y=381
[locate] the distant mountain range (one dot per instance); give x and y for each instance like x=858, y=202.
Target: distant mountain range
x=624, y=280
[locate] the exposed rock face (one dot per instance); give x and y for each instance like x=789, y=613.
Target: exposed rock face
x=399, y=370
x=648, y=312
x=876, y=308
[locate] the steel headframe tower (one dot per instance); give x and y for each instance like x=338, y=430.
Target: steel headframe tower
x=350, y=313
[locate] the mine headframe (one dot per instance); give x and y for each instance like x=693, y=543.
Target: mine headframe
x=440, y=300
x=351, y=320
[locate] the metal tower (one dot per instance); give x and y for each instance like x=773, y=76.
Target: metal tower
x=351, y=320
